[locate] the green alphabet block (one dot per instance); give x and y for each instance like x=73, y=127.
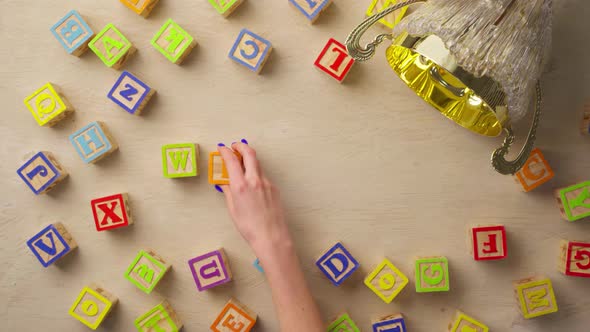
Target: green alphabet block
x=225, y=7
x=146, y=270
x=575, y=201
x=111, y=47
x=432, y=275
x=172, y=41
x=161, y=318
x=180, y=160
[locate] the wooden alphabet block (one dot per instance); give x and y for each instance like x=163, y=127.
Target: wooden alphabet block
x=94, y=142
x=464, y=323
x=432, y=275
x=334, y=60
x=535, y=297
x=225, y=7
x=131, y=93
x=250, y=50
x=51, y=244
x=112, y=47
x=343, y=324
x=93, y=305
x=574, y=201
x=42, y=172
x=173, y=42
x=73, y=33
x=574, y=259
x=258, y=266
x=146, y=270
x=488, y=242
x=337, y=264
x=386, y=281
x=161, y=318
x=235, y=317
x=535, y=172
x=391, y=20
x=48, y=105
x=311, y=9
x=141, y=7
x=585, y=126
x=217, y=171
x=210, y=270
x=111, y=212
x=180, y=160
x=391, y=323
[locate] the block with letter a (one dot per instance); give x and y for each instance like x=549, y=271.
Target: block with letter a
x=51, y=244
x=574, y=259
x=334, y=60
x=73, y=33
x=112, y=47
x=337, y=264
x=234, y=317
x=180, y=160
x=386, y=281
x=535, y=297
x=535, y=172
x=146, y=270
x=93, y=142
x=488, y=242
x=210, y=270
x=574, y=201
x=111, y=212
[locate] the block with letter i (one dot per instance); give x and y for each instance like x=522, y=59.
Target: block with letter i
x=48, y=105
x=234, y=317
x=73, y=33
x=94, y=142
x=173, y=42
x=337, y=264
x=389, y=21
x=93, y=305
x=131, y=93
x=391, y=323
x=217, y=171
x=225, y=7
x=343, y=324
x=311, y=9
x=535, y=297
x=42, y=172
x=112, y=47
x=432, y=275
x=574, y=259
x=334, y=60
x=146, y=270
x=574, y=201
x=250, y=50
x=386, y=281
x=535, y=172
x=161, y=318
x=488, y=242
x=51, y=244
x=463, y=323
x=141, y=7
x=180, y=160
x=111, y=212
x=210, y=270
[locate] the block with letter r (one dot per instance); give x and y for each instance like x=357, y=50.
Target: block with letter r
x=180, y=160
x=210, y=270
x=337, y=264
x=51, y=244
x=111, y=212
x=73, y=33
x=93, y=142
x=131, y=93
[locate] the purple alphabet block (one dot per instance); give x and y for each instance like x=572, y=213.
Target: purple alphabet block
x=210, y=270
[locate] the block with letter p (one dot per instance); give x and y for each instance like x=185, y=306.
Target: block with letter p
x=535, y=297
x=42, y=172
x=73, y=33
x=574, y=201
x=337, y=264
x=386, y=281
x=146, y=270
x=161, y=318
x=488, y=242
x=343, y=324
x=432, y=275
x=463, y=323
x=535, y=172
x=112, y=47
x=210, y=270
x=131, y=93
x=93, y=142
x=180, y=160
x=93, y=305
x=111, y=212
x=575, y=258
x=250, y=50
x=51, y=244
x=234, y=317
x=334, y=60
x=48, y=105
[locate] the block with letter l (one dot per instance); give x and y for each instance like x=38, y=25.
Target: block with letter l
x=334, y=60
x=337, y=264
x=93, y=142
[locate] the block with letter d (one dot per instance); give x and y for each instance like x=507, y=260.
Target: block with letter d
x=42, y=172
x=234, y=317
x=337, y=264
x=146, y=270
x=250, y=50
x=112, y=47
x=93, y=305
x=488, y=242
x=73, y=33
x=180, y=160
x=210, y=270
x=93, y=142
x=131, y=93
x=111, y=212
x=535, y=297
x=51, y=244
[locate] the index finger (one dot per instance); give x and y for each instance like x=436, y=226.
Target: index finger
x=232, y=163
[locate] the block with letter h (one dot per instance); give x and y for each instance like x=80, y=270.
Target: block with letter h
x=112, y=47
x=161, y=318
x=48, y=105
x=463, y=323
x=535, y=297
x=42, y=172
x=146, y=270
x=432, y=275
x=343, y=324
x=93, y=305
x=111, y=212
x=334, y=60
x=386, y=281
x=574, y=259
x=180, y=160
x=535, y=172
x=51, y=244
x=173, y=42
x=391, y=323
x=337, y=264
x=141, y=7
x=235, y=317
x=250, y=50
x=131, y=93
x=574, y=201
x=488, y=242
x=311, y=9
x=210, y=270
x=73, y=33
x=94, y=142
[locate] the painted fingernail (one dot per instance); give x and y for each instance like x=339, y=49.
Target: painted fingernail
x=232, y=143
x=218, y=188
x=220, y=144
x=244, y=141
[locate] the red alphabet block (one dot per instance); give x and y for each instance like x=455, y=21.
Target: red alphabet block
x=488, y=242
x=575, y=259
x=111, y=212
x=334, y=60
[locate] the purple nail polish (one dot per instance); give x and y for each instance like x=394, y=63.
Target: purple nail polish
x=244, y=141
x=218, y=188
x=220, y=144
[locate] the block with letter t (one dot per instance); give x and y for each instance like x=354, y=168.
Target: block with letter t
x=488, y=242
x=337, y=264
x=111, y=212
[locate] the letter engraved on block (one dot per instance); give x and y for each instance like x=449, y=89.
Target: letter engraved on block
x=173, y=42
x=41, y=172
x=51, y=244
x=234, y=317
x=146, y=271
x=343, y=324
x=111, y=212
x=392, y=323
x=386, y=281
x=250, y=50
x=91, y=307
x=130, y=93
x=464, y=323
x=536, y=297
x=47, y=106
x=575, y=201
x=488, y=242
x=210, y=270
x=334, y=60
x=73, y=33
x=93, y=142
x=311, y=9
x=111, y=46
x=180, y=160
x=161, y=318
x=337, y=264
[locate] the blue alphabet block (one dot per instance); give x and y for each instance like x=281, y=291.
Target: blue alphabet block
x=311, y=8
x=337, y=264
x=73, y=33
x=93, y=142
x=250, y=50
x=392, y=323
x=131, y=93
x=42, y=172
x=51, y=244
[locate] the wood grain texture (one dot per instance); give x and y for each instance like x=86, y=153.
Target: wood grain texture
x=367, y=163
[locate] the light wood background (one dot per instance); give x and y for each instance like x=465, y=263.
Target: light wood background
x=365, y=162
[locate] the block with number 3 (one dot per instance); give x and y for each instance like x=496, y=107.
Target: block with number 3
x=334, y=60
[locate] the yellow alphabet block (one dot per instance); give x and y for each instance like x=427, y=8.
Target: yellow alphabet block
x=386, y=281
x=92, y=306
x=464, y=323
x=535, y=296
x=48, y=105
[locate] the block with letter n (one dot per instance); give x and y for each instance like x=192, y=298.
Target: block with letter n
x=574, y=201
x=141, y=7
x=48, y=105
x=146, y=270
x=210, y=270
x=51, y=244
x=73, y=33
x=535, y=297
x=311, y=9
x=488, y=242
x=111, y=212
x=112, y=47
x=131, y=93
x=42, y=172
x=343, y=323
x=337, y=264
x=94, y=142
x=250, y=50
x=225, y=7
x=463, y=323
x=93, y=305
x=386, y=281
x=390, y=323
x=173, y=42
x=574, y=259
x=161, y=318
x=180, y=160
x=234, y=317
x=334, y=60
x=432, y=275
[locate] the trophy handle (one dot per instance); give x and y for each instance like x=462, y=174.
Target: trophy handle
x=503, y=166
x=353, y=40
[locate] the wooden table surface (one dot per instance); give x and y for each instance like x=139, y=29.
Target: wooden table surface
x=365, y=162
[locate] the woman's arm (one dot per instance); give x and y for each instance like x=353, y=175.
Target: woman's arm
x=255, y=207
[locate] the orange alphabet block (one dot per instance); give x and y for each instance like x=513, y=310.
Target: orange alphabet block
x=235, y=317
x=535, y=172
x=141, y=7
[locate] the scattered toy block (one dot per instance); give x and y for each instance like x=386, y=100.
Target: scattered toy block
x=180, y=160
x=94, y=142
x=42, y=172
x=250, y=50
x=574, y=201
x=217, y=171
x=112, y=47
x=432, y=275
x=73, y=33
x=311, y=9
x=234, y=317
x=386, y=281
x=575, y=258
x=535, y=296
x=111, y=212
x=210, y=270
x=173, y=42
x=141, y=7
x=146, y=270
x=225, y=7
x=131, y=93
x=343, y=324
x=258, y=266
x=585, y=127
x=464, y=323
x=334, y=60
x=93, y=305
x=48, y=105
x=391, y=20
x=488, y=242
x=51, y=244
x=161, y=318
x=535, y=172
x=391, y=323
x=337, y=264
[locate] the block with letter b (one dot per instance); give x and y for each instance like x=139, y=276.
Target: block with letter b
x=93, y=305
x=93, y=142
x=488, y=242
x=146, y=270
x=161, y=318
x=141, y=7
x=311, y=9
x=111, y=212
x=234, y=317
x=131, y=93
x=343, y=324
x=535, y=297
x=180, y=160
x=386, y=281
x=48, y=105
x=535, y=172
x=334, y=60
x=225, y=7
x=250, y=50
x=173, y=42
x=112, y=47
x=51, y=244
x=42, y=172
x=210, y=270
x=391, y=323
x=574, y=259
x=337, y=264
x=432, y=275
x=463, y=323
x=574, y=201
x=73, y=33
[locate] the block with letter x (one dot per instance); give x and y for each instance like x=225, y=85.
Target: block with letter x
x=131, y=93
x=111, y=212
x=334, y=60
x=51, y=244
x=146, y=270
x=112, y=47
x=337, y=264
x=94, y=142
x=180, y=160
x=488, y=242
x=535, y=297
x=575, y=258
x=234, y=317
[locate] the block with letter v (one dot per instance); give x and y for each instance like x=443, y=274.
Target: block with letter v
x=51, y=244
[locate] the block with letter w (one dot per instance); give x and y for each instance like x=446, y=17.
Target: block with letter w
x=180, y=160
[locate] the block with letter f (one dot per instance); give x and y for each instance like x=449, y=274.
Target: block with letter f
x=337, y=264
x=488, y=242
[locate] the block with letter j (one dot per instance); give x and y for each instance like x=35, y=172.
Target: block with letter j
x=180, y=160
x=42, y=172
x=337, y=264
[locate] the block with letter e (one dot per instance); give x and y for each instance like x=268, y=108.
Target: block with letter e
x=334, y=60
x=146, y=270
x=234, y=317
x=535, y=297
x=574, y=259
x=337, y=264
x=42, y=172
x=131, y=93
x=51, y=244
x=210, y=270
x=161, y=318
x=93, y=305
x=180, y=160
x=111, y=212
x=488, y=242
x=94, y=142
x=73, y=33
